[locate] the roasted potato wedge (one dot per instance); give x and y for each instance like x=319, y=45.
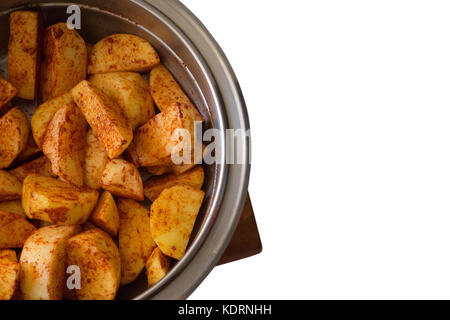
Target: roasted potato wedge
x=45, y=113
x=9, y=274
x=122, y=52
x=166, y=91
x=105, y=116
x=106, y=215
x=172, y=218
x=41, y=166
x=7, y=92
x=65, y=144
x=123, y=179
x=96, y=159
x=14, y=206
x=56, y=201
x=24, y=52
x=158, y=266
x=135, y=239
x=155, y=185
x=14, y=230
x=65, y=61
x=10, y=187
x=30, y=152
x=97, y=256
x=43, y=263
x=14, y=128
x=159, y=138
x=130, y=91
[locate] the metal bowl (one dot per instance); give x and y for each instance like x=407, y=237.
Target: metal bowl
x=192, y=55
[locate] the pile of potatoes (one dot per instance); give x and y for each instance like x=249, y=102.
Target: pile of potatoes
x=70, y=188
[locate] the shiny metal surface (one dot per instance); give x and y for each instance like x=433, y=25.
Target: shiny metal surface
x=198, y=63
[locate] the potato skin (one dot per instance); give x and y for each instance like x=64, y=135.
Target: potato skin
x=156, y=140
x=123, y=179
x=24, y=52
x=41, y=166
x=96, y=159
x=97, y=256
x=130, y=91
x=122, y=52
x=172, y=218
x=158, y=266
x=106, y=215
x=10, y=187
x=105, y=117
x=65, y=144
x=155, y=185
x=9, y=274
x=14, y=230
x=43, y=263
x=56, y=201
x=7, y=92
x=15, y=130
x=65, y=60
x=135, y=239
x=45, y=113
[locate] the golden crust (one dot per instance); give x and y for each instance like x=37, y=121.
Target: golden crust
x=15, y=129
x=135, y=239
x=122, y=52
x=123, y=179
x=65, y=144
x=24, y=52
x=172, y=218
x=65, y=61
x=106, y=118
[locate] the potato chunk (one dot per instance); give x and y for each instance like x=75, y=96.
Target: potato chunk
x=41, y=166
x=14, y=206
x=155, y=185
x=65, y=144
x=166, y=91
x=10, y=187
x=122, y=52
x=135, y=239
x=14, y=128
x=106, y=118
x=45, y=113
x=159, y=138
x=43, y=263
x=7, y=92
x=173, y=217
x=122, y=178
x=130, y=91
x=96, y=159
x=9, y=274
x=65, y=61
x=97, y=256
x=31, y=150
x=24, y=54
x=14, y=230
x=158, y=266
x=56, y=201
x=106, y=214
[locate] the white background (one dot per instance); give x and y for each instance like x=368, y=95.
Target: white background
x=349, y=104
